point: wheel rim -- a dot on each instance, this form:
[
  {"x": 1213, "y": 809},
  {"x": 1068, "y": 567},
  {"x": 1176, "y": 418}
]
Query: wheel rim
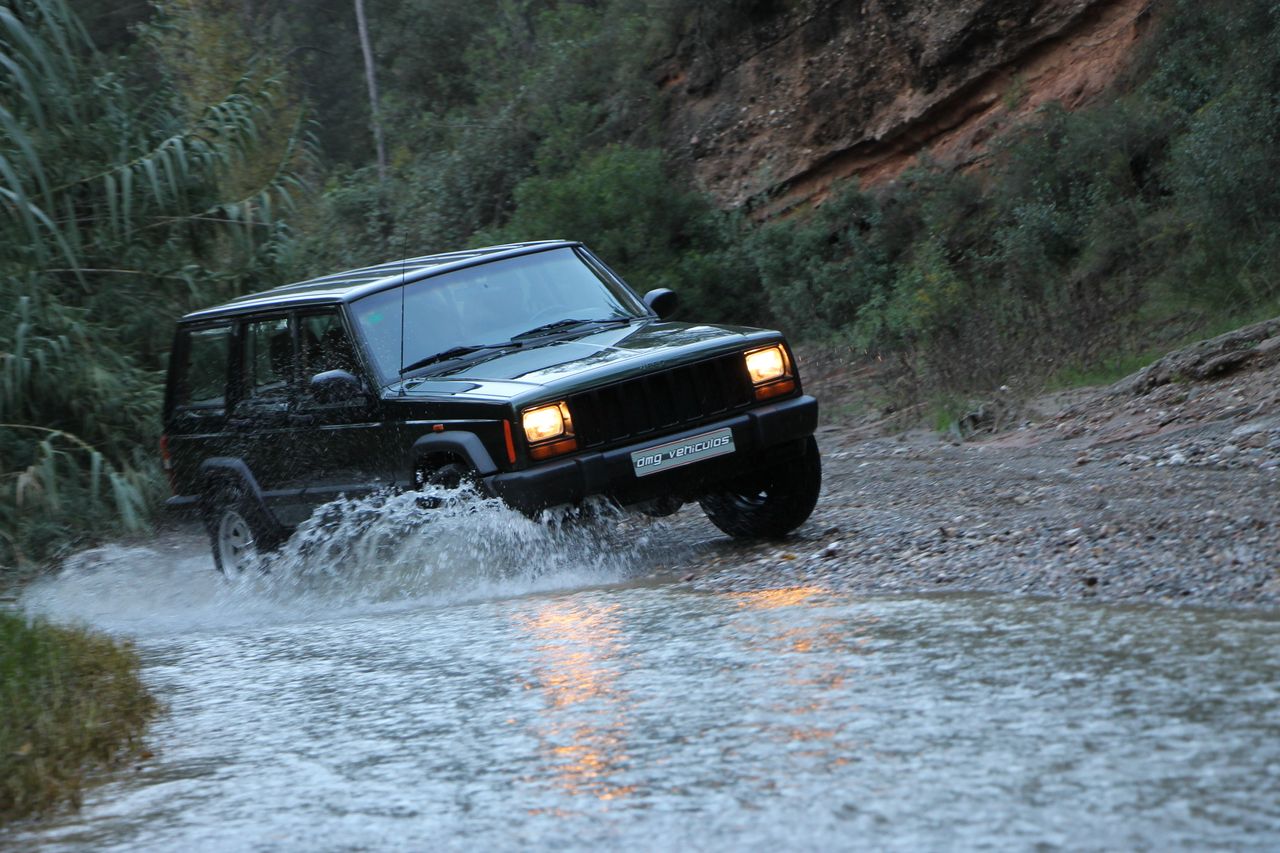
[{"x": 235, "y": 541}]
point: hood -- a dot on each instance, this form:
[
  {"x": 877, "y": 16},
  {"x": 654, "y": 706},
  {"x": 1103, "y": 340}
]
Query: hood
[{"x": 565, "y": 363}]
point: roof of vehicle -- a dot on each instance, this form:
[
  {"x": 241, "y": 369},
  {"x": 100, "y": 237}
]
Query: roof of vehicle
[{"x": 353, "y": 284}]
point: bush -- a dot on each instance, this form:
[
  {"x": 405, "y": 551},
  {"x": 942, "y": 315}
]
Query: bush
[
  {"x": 657, "y": 234},
  {"x": 71, "y": 703},
  {"x": 1166, "y": 199}
]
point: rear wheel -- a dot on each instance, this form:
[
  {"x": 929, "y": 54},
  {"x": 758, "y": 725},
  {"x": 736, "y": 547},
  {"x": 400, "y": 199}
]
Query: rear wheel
[
  {"x": 772, "y": 506},
  {"x": 239, "y": 530}
]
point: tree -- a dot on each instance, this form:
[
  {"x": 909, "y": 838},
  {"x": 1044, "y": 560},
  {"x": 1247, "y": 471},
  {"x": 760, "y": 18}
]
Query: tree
[{"x": 371, "y": 78}]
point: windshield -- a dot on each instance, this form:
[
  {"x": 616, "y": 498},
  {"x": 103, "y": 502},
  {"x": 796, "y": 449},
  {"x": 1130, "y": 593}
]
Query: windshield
[{"x": 487, "y": 304}]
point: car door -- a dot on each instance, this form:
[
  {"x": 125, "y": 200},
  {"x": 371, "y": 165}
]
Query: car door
[
  {"x": 196, "y": 401},
  {"x": 341, "y": 442},
  {"x": 260, "y": 426}
]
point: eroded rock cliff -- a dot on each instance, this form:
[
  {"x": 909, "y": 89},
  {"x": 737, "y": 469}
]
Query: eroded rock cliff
[{"x": 816, "y": 91}]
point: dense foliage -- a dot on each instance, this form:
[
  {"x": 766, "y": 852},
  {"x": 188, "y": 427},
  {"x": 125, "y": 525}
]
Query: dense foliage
[
  {"x": 153, "y": 175},
  {"x": 121, "y": 205},
  {"x": 1090, "y": 233}
]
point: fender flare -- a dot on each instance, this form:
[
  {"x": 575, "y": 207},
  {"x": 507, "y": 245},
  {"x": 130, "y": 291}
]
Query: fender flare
[
  {"x": 464, "y": 444},
  {"x": 217, "y": 469}
]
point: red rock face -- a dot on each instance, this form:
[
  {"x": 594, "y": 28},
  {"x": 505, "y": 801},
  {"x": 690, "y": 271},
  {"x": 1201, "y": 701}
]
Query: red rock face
[{"x": 825, "y": 91}]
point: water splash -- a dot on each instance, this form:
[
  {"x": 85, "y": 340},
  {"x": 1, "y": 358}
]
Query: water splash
[
  {"x": 390, "y": 547},
  {"x": 384, "y": 552}
]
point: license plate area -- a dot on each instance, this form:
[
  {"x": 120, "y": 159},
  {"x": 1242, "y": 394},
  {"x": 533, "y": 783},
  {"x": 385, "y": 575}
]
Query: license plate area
[{"x": 674, "y": 454}]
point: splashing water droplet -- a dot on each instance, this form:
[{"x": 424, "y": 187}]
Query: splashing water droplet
[{"x": 387, "y": 551}]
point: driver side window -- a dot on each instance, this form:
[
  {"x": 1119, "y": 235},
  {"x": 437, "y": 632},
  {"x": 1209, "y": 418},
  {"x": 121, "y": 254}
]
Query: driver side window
[{"x": 325, "y": 345}]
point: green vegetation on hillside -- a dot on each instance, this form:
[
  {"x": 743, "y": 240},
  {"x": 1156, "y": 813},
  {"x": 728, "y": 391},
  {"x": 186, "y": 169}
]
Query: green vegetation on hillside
[
  {"x": 157, "y": 172},
  {"x": 1086, "y": 236},
  {"x": 71, "y": 704},
  {"x": 1090, "y": 236}
]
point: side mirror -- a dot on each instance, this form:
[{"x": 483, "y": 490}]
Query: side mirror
[
  {"x": 336, "y": 386},
  {"x": 662, "y": 302}
]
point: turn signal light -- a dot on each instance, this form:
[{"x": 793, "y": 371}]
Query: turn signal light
[
  {"x": 555, "y": 448},
  {"x": 775, "y": 389},
  {"x": 166, "y": 462}
]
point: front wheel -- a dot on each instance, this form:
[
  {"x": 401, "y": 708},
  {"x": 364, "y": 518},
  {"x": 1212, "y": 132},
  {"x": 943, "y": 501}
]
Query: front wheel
[
  {"x": 238, "y": 530},
  {"x": 778, "y": 503}
]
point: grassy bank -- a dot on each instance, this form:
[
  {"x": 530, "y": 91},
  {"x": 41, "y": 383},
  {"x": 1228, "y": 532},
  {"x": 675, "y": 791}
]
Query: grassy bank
[{"x": 71, "y": 704}]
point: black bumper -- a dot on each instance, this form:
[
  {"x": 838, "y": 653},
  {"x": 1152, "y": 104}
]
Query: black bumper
[{"x": 779, "y": 428}]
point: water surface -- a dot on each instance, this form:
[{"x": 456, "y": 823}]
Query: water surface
[{"x": 477, "y": 681}]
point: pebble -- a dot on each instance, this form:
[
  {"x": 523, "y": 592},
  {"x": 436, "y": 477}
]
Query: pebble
[
  {"x": 1257, "y": 449},
  {"x": 1247, "y": 430}
]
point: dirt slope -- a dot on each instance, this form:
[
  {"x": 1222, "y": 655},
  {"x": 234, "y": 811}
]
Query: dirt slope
[{"x": 828, "y": 90}]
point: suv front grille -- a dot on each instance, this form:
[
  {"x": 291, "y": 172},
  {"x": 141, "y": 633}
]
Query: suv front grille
[{"x": 662, "y": 401}]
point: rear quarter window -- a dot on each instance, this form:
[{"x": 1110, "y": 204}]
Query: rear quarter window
[{"x": 202, "y": 373}]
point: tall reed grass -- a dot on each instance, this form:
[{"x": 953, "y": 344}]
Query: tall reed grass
[{"x": 118, "y": 212}]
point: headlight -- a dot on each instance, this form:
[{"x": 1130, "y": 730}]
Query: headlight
[
  {"x": 549, "y": 429},
  {"x": 770, "y": 371},
  {"x": 543, "y": 423},
  {"x": 766, "y": 365}
]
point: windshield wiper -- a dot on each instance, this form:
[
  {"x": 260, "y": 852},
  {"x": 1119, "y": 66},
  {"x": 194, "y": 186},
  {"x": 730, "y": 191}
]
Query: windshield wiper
[
  {"x": 545, "y": 328},
  {"x": 456, "y": 352}
]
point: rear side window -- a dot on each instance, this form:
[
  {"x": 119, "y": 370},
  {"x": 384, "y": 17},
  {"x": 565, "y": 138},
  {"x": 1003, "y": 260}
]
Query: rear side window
[
  {"x": 203, "y": 379},
  {"x": 268, "y": 357}
]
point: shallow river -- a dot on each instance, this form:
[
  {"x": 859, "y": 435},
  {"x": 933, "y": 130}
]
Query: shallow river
[{"x": 475, "y": 681}]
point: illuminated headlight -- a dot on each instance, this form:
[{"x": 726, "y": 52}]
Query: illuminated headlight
[
  {"x": 549, "y": 429},
  {"x": 543, "y": 423},
  {"x": 770, "y": 371},
  {"x": 766, "y": 365}
]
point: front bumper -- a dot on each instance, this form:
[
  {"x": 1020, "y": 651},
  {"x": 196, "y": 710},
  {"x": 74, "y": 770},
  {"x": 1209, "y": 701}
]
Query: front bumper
[{"x": 777, "y": 427}]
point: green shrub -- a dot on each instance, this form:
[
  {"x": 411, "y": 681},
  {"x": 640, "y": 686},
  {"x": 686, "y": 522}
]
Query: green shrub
[
  {"x": 1082, "y": 229},
  {"x": 624, "y": 202},
  {"x": 71, "y": 703}
]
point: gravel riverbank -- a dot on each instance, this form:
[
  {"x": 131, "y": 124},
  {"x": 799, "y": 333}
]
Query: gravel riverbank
[{"x": 1171, "y": 495}]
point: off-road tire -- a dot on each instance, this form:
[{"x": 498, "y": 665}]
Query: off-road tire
[
  {"x": 782, "y": 500},
  {"x": 238, "y": 528},
  {"x": 451, "y": 475}
]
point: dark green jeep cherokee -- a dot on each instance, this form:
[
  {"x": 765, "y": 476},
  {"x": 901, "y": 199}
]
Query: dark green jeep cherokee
[{"x": 532, "y": 370}]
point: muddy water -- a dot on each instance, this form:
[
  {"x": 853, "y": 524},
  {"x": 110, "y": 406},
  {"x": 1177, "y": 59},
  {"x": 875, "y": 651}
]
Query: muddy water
[{"x": 462, "y": 678}]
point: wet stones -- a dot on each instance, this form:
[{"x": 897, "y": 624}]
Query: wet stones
[{"x": 1133, "y": 524}]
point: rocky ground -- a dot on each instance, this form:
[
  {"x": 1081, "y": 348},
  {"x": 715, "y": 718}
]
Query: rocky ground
[{"x": 1162, "y": 488}]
